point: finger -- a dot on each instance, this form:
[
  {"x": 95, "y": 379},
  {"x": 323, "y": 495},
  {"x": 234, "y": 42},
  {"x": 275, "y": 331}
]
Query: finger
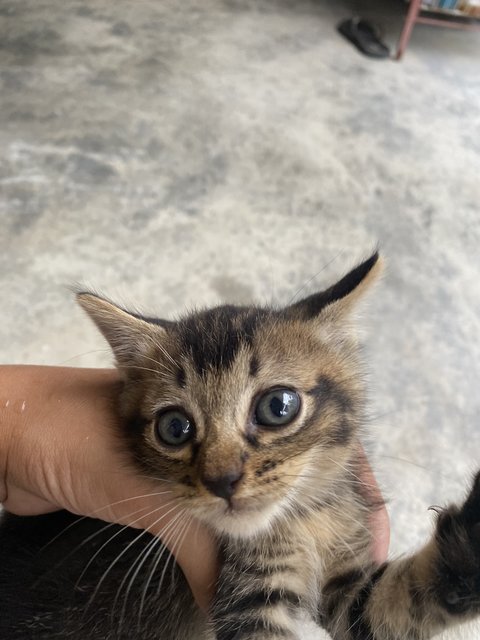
[
  {"x": 379, "y": 520},
  {"x": 199, "y": 562},
  {"x": 380, "y": 525}
]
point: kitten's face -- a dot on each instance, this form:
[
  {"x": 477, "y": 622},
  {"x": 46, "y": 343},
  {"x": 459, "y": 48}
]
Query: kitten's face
[
  {"x": 230, "y": 466},
  {"x": 247, "y": 413}
]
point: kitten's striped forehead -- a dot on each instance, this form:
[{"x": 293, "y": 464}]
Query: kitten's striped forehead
[{"x": 213, "y": 338}]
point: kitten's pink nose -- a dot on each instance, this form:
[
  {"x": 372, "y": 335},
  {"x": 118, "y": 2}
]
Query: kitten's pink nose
[{"x": 224, "y": 486}]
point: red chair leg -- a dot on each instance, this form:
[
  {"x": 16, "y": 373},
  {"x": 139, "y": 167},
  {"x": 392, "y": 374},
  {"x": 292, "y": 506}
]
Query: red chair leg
[{"x": 413, "y": 11}]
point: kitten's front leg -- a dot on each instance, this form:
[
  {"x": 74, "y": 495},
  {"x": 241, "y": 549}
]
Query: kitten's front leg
[
  {"x": 417, "y": 597},
  {"x": 261, "y": 591}
]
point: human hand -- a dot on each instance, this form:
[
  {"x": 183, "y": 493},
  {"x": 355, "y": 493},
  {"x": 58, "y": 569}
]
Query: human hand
[
  {"x": 379, "y": 520},
  {"x": 59, "y": 449}
]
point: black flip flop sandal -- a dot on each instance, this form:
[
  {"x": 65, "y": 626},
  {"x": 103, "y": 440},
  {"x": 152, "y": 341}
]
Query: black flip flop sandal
[{"x": 364, "y": 36}]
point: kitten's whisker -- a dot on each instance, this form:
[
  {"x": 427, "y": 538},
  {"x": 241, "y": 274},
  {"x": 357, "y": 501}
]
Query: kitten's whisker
[
  {"x": 181, "y": 539},
  {"x": 431, "y": 472},
  {"x": 157, "y": 479},
  {"x": 348, "y": 471},
  {"x": 100, "y": 531},
  {"x": 139, "y": 563},
  {"x": 81, "y": 355},
  {"x": 312, "y": 278},
  {"x": 298, "y": 475},
  {"x": 84, "y": 542},
  {"x": 124, "y": 579},
  {"x": 112, "y": 564},
  {"x": 338, "y": 481},
  {"x": 157, "y": 543},
  {"x": 139, "y": 368},
  {"x": 292, "y": 299},
  {"x": 117, "y": 534},
  {"x": 160, "y": 557},
  {"x": 154, "y": 567},
  {"x": 273, "y": 326},
  {"x": 161, "y": 364},
  {"x": 173, "y": 551},
  {"x": 165, "y": 353},
  {"x": 272, "y": 283},
  {"x": 107, "y": 506},
  {"x": 404, "y": 460},
  {"x": 174, "y": 529},
  {"x": 120, "y": 555},
  {"x": 293, "y": 455},
  {"x": 338, "y": 539},
  {"x": 372, "y": 417},
  {"x": 317, "y": 498},
  {"x": 168, "y": 532}
]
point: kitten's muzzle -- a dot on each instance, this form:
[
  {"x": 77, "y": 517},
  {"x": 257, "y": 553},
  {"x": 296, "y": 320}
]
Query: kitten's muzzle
[{"x": 224, "y": 486}]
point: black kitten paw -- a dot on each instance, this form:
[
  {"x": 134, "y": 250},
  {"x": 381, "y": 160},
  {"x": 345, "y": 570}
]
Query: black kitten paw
[
  {"x": 471, "y": 508},
  {"x": 457, "y": 581}
]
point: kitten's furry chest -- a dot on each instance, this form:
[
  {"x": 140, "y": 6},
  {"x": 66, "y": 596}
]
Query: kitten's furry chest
[{"x": 296, "y": 553}]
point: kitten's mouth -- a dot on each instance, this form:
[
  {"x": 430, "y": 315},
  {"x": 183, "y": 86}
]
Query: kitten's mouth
[
  {"x": 240, "y": 516},
  {"x": 249, "y": 508},
  {"x": 240, "y": 505}
]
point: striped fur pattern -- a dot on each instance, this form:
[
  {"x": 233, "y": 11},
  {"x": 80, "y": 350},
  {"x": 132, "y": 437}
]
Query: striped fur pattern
[{"x": 285, "y": 501}]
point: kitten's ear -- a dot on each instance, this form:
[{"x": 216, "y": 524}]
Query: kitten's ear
[
  {"x": 340, "y": 298},
  {"x": 128, "y": 334}
]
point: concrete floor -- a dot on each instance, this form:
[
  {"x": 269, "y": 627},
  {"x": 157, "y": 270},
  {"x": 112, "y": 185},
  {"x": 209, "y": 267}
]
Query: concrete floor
[{"x": 174, "y": 154}]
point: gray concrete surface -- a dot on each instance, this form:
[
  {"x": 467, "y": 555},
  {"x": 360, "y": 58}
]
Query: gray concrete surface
[{"x": 174, "y": 154}]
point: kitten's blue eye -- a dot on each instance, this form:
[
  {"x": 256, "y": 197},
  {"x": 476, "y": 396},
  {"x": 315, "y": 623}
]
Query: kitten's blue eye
[
  {"x": 277, "y": 408},
  {"x": 174, "y": 428}
]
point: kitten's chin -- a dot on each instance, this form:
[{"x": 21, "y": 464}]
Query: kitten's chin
[{"x": 240, "y": 520}]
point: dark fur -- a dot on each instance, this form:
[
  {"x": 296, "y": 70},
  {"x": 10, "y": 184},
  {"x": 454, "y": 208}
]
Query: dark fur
[{"x": 292, "y": 525}]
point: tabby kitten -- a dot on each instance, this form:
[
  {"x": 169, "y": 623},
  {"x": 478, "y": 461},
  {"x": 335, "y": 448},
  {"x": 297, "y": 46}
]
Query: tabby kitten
[{"x": 253, "y": 416}]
